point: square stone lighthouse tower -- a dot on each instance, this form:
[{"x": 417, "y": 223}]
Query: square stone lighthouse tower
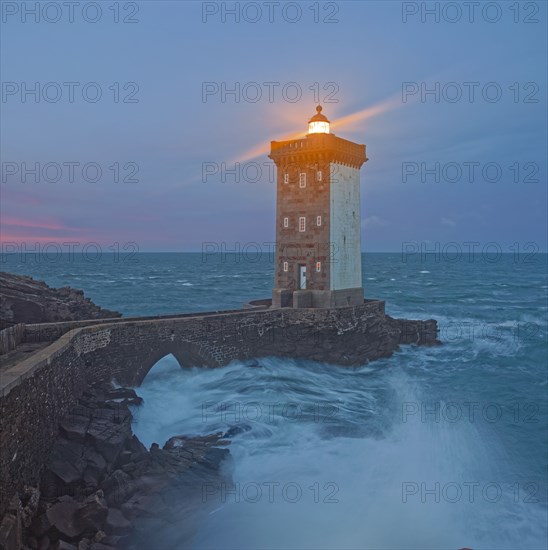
[{"x": 318, "y": 248}]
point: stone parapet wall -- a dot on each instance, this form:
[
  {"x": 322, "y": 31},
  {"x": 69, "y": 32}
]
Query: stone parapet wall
[{"x": 11, "y": 337}]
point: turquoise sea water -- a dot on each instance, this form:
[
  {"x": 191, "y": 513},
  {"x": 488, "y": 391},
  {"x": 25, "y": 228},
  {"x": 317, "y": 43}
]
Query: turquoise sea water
[{"x": 439, "y": 447}]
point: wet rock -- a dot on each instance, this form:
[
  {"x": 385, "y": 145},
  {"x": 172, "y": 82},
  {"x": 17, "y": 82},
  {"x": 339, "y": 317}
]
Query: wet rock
[
  {"x": 114, "y": 540},
  {"x": 92, "y": 514},
  {"x": 214, "y": 457},
  {"x": 30, "y": 499},
  {"x": 67, "y": 462},
  {"x": 144, "y": 505},
  {"x": 62, "y": 517},
  {"x": 129, "y": 468},
  {"x": 64, "y": 545},
  {"x": 99, "y": 536},
  {"x": 195, "y": 441},
  {"x": 40, "y": 525},
  {"x": 116, "y": 523},
  {"x": 118, "y": 487},
  {"x": 125, "y": 457},
  {"x": 24, "y": 300},
  {"x": 97, "y": 463},
  {"x": 96, "y": 467},
  {"x": 108, "y": 438},
  {"x": 140, "y": 456},
  {"x": 74, "y": 428},
  {"x": 116, "y": 413},
  {"x": 10, "y": 533},
  {"x": 125, "y": 396},
  {"x": 100, "y": 546},
  {"x": 236, "y": 430},
  {"x": 135, "y": 446}
]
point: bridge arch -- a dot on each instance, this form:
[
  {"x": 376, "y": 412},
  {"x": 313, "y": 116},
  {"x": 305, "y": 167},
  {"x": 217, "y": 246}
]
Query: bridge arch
[{"x": 187, "y": 354}]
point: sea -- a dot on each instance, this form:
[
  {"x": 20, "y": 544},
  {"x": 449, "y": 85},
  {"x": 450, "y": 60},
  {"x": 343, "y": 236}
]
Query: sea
[{"x": 434, "y": 447}]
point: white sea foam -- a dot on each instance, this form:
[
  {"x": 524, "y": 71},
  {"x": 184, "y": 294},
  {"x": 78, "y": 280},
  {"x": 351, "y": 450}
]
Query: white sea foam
[{"x": 351, "y": 478}]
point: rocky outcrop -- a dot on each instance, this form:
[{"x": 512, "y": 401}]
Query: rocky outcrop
[
  {"x": 24, "y": 300},
  {"x": 103, "y": 489}
]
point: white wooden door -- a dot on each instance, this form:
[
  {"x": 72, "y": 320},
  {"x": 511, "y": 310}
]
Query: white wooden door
[{"x": 302, "y": 277}]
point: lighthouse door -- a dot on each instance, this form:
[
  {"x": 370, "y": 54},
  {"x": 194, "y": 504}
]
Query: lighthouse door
[{"x": 302, "y": 277}]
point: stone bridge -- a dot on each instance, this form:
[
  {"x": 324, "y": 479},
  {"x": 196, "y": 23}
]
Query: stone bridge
[{"x": 37, "y": 392}]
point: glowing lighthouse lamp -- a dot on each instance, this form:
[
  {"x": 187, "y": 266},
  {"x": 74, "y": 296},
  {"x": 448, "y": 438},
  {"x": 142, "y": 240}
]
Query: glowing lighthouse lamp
[{"x": 318, "y": 124}]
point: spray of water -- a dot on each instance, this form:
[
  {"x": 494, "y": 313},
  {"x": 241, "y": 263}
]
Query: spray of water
[{"x": 335, "y": 458}]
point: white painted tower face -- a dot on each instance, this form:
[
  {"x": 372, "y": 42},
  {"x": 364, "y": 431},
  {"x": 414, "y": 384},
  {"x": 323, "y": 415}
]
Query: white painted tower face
[{"x": 345, "y": 227}]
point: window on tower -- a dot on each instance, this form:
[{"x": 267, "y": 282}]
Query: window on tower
[
  {"x": 286, "y": 222},
  {"x": 286, "y": 266},
  {"x": 286, "y": 178},
  {"x": 318, "y": 220},
  {"x": 302, "y": 224},
  {"x": 319, "y": 175},
  {"x": 318, "y": 266},
  {"x": 302, "y": 179}
]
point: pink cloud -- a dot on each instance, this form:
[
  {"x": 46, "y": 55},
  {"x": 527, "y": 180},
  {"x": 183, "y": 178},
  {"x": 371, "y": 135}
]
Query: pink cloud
[{"x": 19, "y": 222}]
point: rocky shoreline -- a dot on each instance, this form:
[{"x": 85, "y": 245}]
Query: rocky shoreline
[
  {"x": 102, "y": 489},
  {"x": 24, "y": 300}
]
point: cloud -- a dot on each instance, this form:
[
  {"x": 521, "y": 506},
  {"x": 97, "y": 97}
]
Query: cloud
[
  {"x": 449, "y": 222},
  {"x": 374, "y": 221},
  {"x": 32, "y": 224}
]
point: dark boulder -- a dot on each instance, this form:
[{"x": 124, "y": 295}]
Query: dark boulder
[
  {"x": 40, "y": 525},
  {"x": 117, "y": 487},
  {"x": 109, "y": 438},
  {"x": 124, "y": 396},
  {"x": 62, "y": 516},
  {"x": 116, "y": 522},
  {"x": 92, "y": 513}
]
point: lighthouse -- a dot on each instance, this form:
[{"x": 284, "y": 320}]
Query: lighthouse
[{"x": 318, "y": 238}]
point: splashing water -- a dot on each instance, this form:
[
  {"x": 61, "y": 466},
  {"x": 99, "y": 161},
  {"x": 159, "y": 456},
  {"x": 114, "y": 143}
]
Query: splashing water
[{"x": 331, "y": 457}]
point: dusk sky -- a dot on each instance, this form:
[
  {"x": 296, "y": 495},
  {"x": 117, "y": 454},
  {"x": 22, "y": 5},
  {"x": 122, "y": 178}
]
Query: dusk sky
[{"x": 368, "y": 60}]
